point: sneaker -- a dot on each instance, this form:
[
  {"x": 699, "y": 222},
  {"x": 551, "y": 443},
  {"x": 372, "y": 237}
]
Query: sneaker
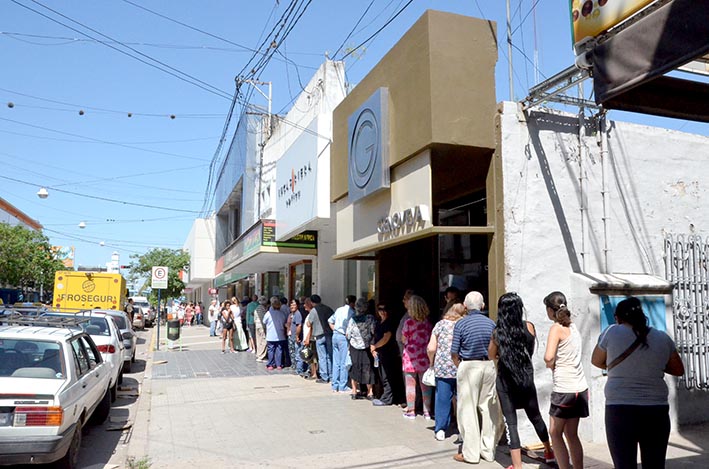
[
  {"x": 248, "y": 350},
  {"x": 280, "y": 368},
  {"x": 347, "y": 389},
  {"x": 410, "y": 415},
  {"x": 427, "y": 416},
  {"x": 223, "y": 351},
  {"x": 441, "y": 435},
  {"x": 379, "y": 403},
  {"x": 320, "y": 381},
  {"x": 549, "y": 456},
  {"x": 253, "y": 351},
  {"x": 269, "y": 368}
]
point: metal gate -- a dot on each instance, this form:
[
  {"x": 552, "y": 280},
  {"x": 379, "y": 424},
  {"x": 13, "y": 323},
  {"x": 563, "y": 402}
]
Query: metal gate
[{"x": 687, "y": 268}]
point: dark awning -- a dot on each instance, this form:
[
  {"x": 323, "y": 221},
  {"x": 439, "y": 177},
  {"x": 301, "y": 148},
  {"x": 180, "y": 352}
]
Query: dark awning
[{"x": 628, "y": 67}]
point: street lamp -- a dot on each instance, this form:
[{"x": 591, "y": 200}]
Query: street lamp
[{"x": 42, "y": 193}]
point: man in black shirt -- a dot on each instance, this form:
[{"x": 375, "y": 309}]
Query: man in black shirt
[{"x": 323, "y": 343}]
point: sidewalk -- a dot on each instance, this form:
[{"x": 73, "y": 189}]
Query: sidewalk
[{"x": 204, "y": 409}]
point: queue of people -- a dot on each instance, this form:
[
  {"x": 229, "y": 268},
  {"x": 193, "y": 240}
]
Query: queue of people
[{"x": 481, "y": 370}]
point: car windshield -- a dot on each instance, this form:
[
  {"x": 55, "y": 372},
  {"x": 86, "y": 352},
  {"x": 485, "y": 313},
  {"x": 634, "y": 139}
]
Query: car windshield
[
  {"x": 30, "y": 358},
  {"x": 142, "y": 305}
]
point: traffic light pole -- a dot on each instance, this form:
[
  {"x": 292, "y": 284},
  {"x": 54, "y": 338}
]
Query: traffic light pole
[{"x": 159, "y": 316}]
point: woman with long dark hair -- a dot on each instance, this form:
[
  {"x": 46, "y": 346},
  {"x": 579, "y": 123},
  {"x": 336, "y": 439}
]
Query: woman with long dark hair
[
  {"x": 512, "y": 344},
  {"x": 386, "y": 351},
  {"x": 569, "y": 397},
  {"x": 637, "y": 411}
]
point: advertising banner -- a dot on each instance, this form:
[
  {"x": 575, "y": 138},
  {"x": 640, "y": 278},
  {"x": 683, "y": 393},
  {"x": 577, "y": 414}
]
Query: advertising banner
[
  {"x": 589, "y": 18},
  {"x": 297, "y": 182}
]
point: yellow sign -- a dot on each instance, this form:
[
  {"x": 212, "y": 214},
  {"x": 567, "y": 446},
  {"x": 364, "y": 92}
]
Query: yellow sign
[{"x": 589, "y": 18}]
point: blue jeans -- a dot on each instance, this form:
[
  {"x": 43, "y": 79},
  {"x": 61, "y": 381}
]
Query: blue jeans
[
  {"x": 340, "y": 349},
  {"x": 300, "y": 366},
  {"x": 323, "y": 345},
  {"x": 445, "y": 390},
  {"x": 213, "y": 328}
]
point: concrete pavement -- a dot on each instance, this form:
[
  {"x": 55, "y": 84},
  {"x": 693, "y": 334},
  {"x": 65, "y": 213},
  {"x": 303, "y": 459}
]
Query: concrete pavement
[{"x": 199, "y": 408}]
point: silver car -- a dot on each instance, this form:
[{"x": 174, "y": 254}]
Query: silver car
[{"x": 128, "y": 335}]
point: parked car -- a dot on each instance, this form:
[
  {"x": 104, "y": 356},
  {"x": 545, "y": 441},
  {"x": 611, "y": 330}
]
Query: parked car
[
  {"x": 141, "y": 312},
  {"x": 105, "y": 334},
  {"x": 53, "y": 381},
  {"x": 128, "y": 335}
]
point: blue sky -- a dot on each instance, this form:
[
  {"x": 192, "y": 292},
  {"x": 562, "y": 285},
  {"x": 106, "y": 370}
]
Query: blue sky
[{"x": 151, "y": 159}]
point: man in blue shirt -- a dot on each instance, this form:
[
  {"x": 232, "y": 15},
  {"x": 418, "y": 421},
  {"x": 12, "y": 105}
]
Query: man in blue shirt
[
  {"x": 476, "y": 383},
  {"x": 340, "y": 347}
]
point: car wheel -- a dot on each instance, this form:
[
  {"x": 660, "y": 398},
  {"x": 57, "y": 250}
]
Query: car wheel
[
  {"x": 71, "y": 458},
  {"x": 102, "y": 410},
  {"x": 114, "y": 391},
  {"x": 126, "y": 367}
]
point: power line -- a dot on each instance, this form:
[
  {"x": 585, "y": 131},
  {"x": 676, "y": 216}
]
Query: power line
[
  {"x": 353, "y": 29},
  {"x": 101, "y": 109},
  {"x": 105, "y": 199},
  {"x": 106, "y": 142},
  {"x": 73, "y": 40},
  {"x": 378, "y": 30},
  {"x": 531, "y": 9},
  {"x": 192, "y": 80}
]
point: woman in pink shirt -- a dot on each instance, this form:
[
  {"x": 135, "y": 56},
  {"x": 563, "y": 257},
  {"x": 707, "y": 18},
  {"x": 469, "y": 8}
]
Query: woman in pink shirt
[{"x": 415, "y": 336}]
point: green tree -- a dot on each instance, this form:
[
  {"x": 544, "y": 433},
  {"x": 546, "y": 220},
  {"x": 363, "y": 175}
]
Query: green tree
[
  {"x": 174, "y": 259},
  {"x": 26, "y": 258}
]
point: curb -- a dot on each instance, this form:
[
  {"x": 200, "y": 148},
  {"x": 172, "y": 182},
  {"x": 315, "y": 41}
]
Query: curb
[{"x": 138, "y": 445}]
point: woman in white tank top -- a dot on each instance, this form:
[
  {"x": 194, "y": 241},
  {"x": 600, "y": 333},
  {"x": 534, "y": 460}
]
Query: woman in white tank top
[{"x": 569, "y": 397}]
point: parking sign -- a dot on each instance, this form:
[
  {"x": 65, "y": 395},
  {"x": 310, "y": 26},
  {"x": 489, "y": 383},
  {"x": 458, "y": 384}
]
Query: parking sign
[{"x": 159, "y": 277}]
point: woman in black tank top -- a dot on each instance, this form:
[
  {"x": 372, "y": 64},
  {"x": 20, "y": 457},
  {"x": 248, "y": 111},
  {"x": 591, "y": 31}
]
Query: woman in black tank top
[{"x": 512, "y": 344}]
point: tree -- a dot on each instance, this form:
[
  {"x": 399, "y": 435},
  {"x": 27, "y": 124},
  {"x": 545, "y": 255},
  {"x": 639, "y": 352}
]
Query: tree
[
  {"x": 26, "y": 258},
  {"x": 174, "y": 259}
]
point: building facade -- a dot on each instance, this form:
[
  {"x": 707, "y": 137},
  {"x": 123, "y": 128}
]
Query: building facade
[
  {"x": 274, "y": 233},
  {"x": 440, "y": 186}
]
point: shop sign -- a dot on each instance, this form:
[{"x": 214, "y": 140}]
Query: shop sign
[
  {"x": 252, "y": 241},
  {"x": 590, "y": 18},
  {"x": 233, "y": 254},
  {"x": 368, "y": 149},
  {"x": 297, "y": 181},
  {"x": 304, "y": 240},
  {"x": 213, "y": 291},
  {"x": 404, "y": 221}
]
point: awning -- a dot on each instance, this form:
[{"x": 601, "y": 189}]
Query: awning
[{"x": 629, "y": 66}]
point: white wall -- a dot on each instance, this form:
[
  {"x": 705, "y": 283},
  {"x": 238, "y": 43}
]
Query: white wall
[
  {"x": 200, "y": 244},
  {"x": 656, "y": 180}
]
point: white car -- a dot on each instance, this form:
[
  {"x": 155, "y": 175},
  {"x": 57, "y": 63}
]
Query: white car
[
  {"x": 53, "y": 381},
  {"x": 130, "y": 339},
  {"x": 107, "y": 337}
]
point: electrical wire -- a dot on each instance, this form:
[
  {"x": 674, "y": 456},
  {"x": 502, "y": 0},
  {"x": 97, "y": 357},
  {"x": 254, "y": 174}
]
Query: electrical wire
[
  {"x": 178, "y": 73},
  {"x": 378, "y": 30},
  {"x": 105, "y": 199},
  {"x": 353, "y": 29},
  {"x": 531, "y": 9},
  {"x": 105, "y": 110},
  {"x": 106, "y": 142}
]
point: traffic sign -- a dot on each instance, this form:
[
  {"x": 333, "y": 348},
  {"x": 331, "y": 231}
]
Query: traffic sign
[{"x": 159, "y": 277}]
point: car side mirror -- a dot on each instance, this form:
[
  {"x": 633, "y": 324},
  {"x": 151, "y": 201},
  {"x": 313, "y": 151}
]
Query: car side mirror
[{"x": 126, "y": 336}]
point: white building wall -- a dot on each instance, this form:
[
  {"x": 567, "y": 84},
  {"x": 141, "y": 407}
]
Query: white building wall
[
  {"x": 200, "y": 243},
  {"x": 655, "y": 182}
]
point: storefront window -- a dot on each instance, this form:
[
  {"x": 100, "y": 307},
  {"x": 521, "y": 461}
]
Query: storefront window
[
  {"x": 301, "y": 279},
  {"x": 463, "y": 263}
]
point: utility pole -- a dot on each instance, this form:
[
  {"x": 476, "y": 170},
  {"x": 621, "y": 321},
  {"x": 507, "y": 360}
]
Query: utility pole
[
  {"x": 265, "y": 132},
  {"x": 510, "y": 70}
]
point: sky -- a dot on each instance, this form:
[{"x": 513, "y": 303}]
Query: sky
[{"x": 118, "y": 110}]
